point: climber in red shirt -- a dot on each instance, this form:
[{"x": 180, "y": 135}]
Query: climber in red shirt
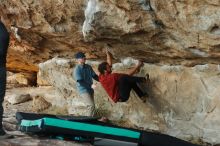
[{"x": 117, "y": 85}]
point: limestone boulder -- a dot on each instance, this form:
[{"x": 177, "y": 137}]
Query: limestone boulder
[
  {"x": 40, "y": 81},
  {"x": 45, "y": 99},
  {"x": 61, "y": 70},
  {"x": 41, "y": 30},
  {"x": 22, "y": 79},
  {"x": 17, "y": 98},
  {"x": 183, "y": 101},
  {"x": 58, "y": 73},
  {"x": 39, "y": 104},
  {"x": 27, "y": 141},
  {"x": 178, "y": 40},
  {"x": 165, "y": 32}
]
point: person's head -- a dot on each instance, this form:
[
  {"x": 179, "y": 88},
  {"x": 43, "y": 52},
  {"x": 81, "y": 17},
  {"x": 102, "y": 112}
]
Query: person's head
[
  {"x": 80, "y": 57},
  {"x": 104, "y": 67}
]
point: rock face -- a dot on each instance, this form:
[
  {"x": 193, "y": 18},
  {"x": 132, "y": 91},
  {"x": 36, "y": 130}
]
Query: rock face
[
  {"x": 41, "y": 30},
  {"x": 22, "y": 79},
  {"x": 166, "y": 32},
  {"x": 171, "y": 32},
  {"x": 27, "y": 141},
  {"x": 183, "y": 101},
  {"x": 16, "y": 98},
  {"x": 186, "y": 33}
]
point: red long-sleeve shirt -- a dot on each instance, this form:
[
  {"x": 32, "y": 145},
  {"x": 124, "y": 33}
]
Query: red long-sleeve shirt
[{"x": 109, "y": 81}]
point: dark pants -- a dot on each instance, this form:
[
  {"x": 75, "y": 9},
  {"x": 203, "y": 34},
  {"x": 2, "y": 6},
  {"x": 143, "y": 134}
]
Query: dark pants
[
  {"x": 126, "y": 84},
  {"x": 4, "y": 42},
  {"x": 2, "y": 92}
]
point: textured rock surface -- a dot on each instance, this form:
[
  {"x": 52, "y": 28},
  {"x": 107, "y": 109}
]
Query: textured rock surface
[
  {"x": 41, "y": 29},
  {"x": 10, "y": 122},
  {"x": 65, "y": 86},
  {"x": 22, "y": 79},
  {"x": 17, "y": 98},
  {"x": 183, "y": 102},
  {"x": 171, "y": 32},
  {"x": 167, "y": 32},
  {"x": 45, "y": 99},
  {"x": 28, "y": 141},
  {"x": 62, "y": 69}
]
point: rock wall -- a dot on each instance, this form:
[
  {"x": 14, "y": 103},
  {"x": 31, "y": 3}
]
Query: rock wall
[
  {"x": 180, "y": 38},
  {"x": 170, "y": 32},
  {"x": 166, "y": 32},
  {"x": 41, "y": 30},
  {"x": 183, "y": 101}
]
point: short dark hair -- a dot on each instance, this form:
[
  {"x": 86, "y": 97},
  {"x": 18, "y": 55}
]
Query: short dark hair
[{"x": 102, "y": 67}]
